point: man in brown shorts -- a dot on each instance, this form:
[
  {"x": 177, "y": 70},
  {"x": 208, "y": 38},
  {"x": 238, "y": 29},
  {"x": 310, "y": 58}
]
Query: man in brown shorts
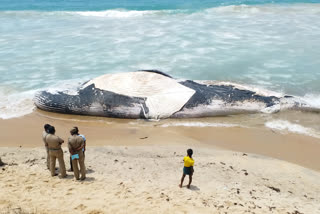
[
  {"x": 76, "y": 144},
  {"x": 55, "y": 152}
]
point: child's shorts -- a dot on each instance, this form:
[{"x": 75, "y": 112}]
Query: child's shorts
[{"x": 187, "y": 170}]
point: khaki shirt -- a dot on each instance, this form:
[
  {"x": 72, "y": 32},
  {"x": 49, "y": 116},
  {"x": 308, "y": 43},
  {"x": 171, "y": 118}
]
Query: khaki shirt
[
  {"x": 75, "y": 142},
  {"x": 44, "y": 135},
  {"x": 53, "y": 141}
]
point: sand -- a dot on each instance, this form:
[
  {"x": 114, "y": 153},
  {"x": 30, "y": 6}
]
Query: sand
[
  {"x": 144, "y": 179},
  {"x": 26, "y": 132},
  {"x": 137, "y": 169}
]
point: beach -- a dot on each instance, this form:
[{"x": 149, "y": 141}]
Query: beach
[
  {"x": 239, "y": 85},
  {"x": 137, "y": 169}
]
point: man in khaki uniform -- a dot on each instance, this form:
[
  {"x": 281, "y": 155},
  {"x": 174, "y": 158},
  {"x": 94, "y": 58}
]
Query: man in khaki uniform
[
  {"x": 76, "y": 144},
  {"x": 55, "y": 152},
  {"x": 44, "y": 134}
]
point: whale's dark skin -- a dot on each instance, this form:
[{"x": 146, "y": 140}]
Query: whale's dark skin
[
  {"x": 87, "y": 103},
  {"x": 97, "y": 102},
  {"x": 227, "y": 93}
]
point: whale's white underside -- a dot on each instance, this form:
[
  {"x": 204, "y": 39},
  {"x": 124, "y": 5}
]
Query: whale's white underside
[{"x": 164, "y": 96}]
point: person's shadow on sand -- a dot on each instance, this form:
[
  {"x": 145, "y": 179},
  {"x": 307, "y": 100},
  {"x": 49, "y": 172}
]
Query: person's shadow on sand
[
  {"x": 88, "y": 179},
  {"x": 89, "y": 171},
  {"x": 192, "y": 187},
  {"x": 71, "y": 177}
]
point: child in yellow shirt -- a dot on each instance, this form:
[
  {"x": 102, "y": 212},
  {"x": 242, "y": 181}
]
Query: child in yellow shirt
[{"x": 188, "y": 167}]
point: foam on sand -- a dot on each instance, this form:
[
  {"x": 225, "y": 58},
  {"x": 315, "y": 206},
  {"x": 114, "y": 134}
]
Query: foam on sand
[
  {"x": 286, "y": 126},
  {"x": 198, "y": 124}
]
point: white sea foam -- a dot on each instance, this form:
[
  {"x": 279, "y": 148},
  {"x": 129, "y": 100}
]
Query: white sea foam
[
  {"x": 115, "y": 13},
  {"x": 312, "y": 100},
  {"x": 198, "y": 124},
  {"x": 235, "y": 8},
  {"x": 15, "y": 104},
  {"x": 286, "y": 126},
  {"x": 70, "y": 87},
  {"x": 267, "y": 8},
  {"x": 122, "y": 13}
]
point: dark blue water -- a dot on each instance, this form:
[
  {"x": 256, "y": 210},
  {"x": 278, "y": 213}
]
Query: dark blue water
[{"x": 98, "y": 5}]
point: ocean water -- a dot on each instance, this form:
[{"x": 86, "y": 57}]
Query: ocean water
[{"x": 55, "y": 44}]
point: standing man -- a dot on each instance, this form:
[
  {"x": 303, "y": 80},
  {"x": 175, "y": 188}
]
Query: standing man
[
  {"x": 44, "y": 134},
  {"x": 55, "y": 152},
  {"x": 84, "y": 148},
  {"x": 76, "y": 146}
]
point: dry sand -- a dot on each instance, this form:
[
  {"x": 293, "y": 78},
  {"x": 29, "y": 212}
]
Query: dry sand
[
  {"x": 144, "y": 179},
  {"x": 137, "y": 169}
]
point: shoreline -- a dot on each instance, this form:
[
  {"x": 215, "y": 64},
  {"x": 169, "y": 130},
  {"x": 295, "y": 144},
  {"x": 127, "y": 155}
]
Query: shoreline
[{"x": 294, "y": 148}]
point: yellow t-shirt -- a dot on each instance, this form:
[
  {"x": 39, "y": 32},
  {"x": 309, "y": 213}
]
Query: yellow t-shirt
[{"x": 188, "y": 162}]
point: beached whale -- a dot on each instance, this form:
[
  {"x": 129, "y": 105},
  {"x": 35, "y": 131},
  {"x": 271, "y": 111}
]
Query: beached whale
[{"x": 152, "y": 94}]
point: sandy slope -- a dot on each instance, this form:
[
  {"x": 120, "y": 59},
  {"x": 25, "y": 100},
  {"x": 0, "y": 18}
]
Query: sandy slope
[{"x": 144, "y": 179}]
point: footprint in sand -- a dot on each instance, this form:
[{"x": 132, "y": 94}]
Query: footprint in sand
[
  {"x": 95, "y": 212},
  {"x": 205, "y": 203},
  {"x": 29, "y": 188},
  {"x": 81, "y": 207}
]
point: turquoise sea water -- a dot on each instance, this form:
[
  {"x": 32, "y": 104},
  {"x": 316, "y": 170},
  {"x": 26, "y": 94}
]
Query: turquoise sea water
[
  {"x": 99, "y": 5},
  {"x": 273, "y": 45}
]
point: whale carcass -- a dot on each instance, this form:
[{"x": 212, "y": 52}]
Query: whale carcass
[{"x": 151, "y": 94}]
